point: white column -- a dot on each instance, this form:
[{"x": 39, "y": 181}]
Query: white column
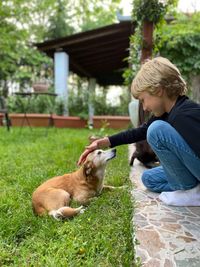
[
  {"x": 61, "y": 73},
  {"x": 134, "y": 112},
  {"x": 91, "y": 94}
]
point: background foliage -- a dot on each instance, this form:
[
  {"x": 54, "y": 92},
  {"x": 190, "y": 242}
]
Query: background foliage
[
  {"x": 78, "y": 104},
  {"x": 180, "y": 42},
  {"x": 176, "y": 36},
  {"x": 23, "y": 23}
]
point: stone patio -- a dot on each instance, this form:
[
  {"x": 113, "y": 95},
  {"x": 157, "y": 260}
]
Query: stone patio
[{"x": 168, "y": 236}]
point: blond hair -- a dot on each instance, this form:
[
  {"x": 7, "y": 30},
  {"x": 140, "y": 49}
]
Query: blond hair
[{"x": 159, "y": 73}]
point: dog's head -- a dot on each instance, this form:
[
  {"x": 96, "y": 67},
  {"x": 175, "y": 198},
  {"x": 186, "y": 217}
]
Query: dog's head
[{"x": 97, "y": 160}]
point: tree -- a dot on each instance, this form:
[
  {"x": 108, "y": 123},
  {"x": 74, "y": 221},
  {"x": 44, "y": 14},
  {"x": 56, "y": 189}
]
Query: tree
[
  {"x": 23, "y": 23},
  {"x": 18, "y": 58},
  {"x": 93, "y": 14},
  {"x": 59, "y": 22},
  {"x": 10, "y": 38}
]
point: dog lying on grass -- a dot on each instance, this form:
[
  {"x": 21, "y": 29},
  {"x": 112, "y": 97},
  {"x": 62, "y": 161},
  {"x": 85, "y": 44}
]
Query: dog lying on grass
[{"x": 54, "y": 195}]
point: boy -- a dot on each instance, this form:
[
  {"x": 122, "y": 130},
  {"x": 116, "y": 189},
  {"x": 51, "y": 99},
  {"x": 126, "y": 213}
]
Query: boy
[{"x": 172, "y": 132}]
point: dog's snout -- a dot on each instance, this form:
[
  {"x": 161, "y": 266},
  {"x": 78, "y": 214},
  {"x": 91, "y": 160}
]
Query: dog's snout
[{"x": 110, "y": 154}]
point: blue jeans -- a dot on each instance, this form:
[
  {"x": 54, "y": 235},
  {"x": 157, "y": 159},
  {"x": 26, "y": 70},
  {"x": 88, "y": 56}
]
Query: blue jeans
[{"x": 180, "y": 166}]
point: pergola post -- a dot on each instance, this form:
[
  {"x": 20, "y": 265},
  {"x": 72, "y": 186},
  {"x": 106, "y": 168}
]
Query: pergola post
[
  {"x": 147, "y": 46},
  {"x": 61, "y": 73},
  {"x": 91, "y": 95}
]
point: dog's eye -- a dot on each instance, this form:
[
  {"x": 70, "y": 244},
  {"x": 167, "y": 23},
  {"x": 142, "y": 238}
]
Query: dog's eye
[{"x": 99, "y": 152}]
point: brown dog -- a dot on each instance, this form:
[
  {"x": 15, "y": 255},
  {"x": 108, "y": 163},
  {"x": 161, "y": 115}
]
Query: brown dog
[{"x": 54, "y": 195}]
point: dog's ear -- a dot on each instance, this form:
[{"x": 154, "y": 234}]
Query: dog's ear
[{"x": 88, "y": 167}]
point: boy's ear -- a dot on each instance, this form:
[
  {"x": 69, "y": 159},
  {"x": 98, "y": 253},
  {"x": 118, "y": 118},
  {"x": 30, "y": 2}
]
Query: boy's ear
[{"x": 160, "y": 91}]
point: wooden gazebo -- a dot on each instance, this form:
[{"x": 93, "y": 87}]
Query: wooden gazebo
[{"x": 98, "y": 53}]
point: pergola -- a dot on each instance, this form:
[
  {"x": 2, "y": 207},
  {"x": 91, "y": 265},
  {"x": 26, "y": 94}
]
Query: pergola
[{"x": 99, "y": 54}]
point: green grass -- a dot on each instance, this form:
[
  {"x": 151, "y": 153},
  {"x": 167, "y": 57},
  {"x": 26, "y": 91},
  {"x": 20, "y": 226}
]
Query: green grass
[{"x": 102, "y": 236}]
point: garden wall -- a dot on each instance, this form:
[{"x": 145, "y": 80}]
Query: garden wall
[{"x": 43, "y": 120}]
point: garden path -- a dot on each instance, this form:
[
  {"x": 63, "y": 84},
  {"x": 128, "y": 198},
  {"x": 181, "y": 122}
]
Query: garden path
[{"x": 168, "y": 236}]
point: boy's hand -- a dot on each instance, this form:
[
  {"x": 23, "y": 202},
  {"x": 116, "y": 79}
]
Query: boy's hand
[
  {"x": 87, "y": 151},
  {"x": 100, "y": 143}
]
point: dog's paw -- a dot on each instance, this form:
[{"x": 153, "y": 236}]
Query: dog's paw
[
  {"x": 56, "y": 215},
  {"x": 81, "y": 210}
]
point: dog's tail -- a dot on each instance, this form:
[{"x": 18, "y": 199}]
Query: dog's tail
[{"x": 66, "y": 212}]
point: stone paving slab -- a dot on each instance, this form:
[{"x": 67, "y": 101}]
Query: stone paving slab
[{"x": 168, "y": 236}]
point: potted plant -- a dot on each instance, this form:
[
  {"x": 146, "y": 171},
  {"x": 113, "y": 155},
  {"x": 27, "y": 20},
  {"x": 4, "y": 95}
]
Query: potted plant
[{"x": 40, "y": 87}]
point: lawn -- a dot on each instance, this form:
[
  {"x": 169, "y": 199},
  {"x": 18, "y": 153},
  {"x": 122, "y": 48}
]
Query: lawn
[{"x": 102, "y": 236}]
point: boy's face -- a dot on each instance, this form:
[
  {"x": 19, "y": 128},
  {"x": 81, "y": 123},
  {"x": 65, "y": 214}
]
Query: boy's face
[{"x": 152, "y": 103}]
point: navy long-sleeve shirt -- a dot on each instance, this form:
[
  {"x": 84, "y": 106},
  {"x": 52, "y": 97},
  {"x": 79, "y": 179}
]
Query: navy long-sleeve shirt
[{"x": 184, "y": 117}]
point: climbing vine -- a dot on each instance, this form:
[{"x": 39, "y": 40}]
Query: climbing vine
[
  {"x": 144, "y": 10},
  {"x": 153, "y": 10}
]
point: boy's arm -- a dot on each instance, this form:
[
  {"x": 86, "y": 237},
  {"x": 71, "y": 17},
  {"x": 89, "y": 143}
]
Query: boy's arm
[
  {"x": 125, "y": 137},
  {"x": 132, "y": 135}
]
